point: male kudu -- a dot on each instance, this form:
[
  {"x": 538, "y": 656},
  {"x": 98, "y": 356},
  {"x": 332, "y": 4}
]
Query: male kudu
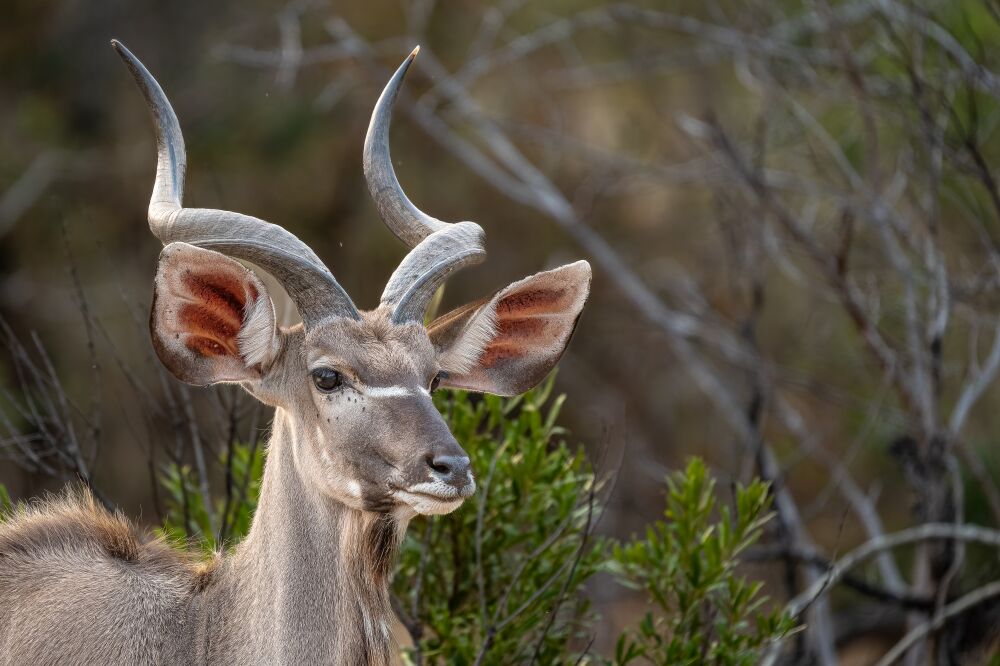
[{"x": 356, "y": 450}]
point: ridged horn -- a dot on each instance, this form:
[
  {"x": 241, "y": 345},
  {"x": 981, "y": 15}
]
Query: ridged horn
[
  {"x": 439, "y": 248},
  {"x": 410, "y": 224},
  {"x": 412, "y": 285},
  {"x": 309, "y": 283}
]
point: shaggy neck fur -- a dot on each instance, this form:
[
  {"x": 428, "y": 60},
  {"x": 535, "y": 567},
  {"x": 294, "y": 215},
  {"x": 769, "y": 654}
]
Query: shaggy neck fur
[{"x": 311, "y": 578}]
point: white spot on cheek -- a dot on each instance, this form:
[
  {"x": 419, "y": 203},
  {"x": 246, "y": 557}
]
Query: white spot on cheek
[
  {"x": 387, "y": 391},
  {"x": 424, "y": 391},
  {"x": 351, "y": 487}
]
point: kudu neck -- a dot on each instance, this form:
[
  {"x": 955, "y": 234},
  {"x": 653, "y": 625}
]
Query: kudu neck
[{"x": 317, "y": 571}]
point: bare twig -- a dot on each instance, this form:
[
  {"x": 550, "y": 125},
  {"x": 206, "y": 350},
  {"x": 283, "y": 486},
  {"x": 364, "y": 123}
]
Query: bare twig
[
  {"x": 942, "y": 617},
  {"x": 914, "y": 535}
]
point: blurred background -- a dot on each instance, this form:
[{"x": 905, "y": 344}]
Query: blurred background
[{"x": 791, "y": 209}]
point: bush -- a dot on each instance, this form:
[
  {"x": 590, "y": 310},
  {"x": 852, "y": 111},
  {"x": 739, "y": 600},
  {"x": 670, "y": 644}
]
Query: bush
[
  {"x": 188, "y": 520},
  {"x": 705, "y": 612},
  {"x": 502, "y": 579}
]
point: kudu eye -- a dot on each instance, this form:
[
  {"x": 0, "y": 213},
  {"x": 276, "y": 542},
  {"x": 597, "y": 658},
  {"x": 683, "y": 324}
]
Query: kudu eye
[
  {"x": 327, "y": 379},
  {"x": 436, "y": 382}
]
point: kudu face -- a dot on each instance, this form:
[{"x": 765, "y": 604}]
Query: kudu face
[
  {"x": 380, "y": 443},
  {"x": 354, "y": 386}
]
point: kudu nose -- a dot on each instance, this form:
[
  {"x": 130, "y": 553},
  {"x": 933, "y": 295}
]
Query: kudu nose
[{"x": 453, "y": 470}]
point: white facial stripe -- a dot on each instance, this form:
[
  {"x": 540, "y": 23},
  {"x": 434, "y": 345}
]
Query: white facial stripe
[
  {"x": 372, "y": 391},
  {"x": 387, "y": 391}
]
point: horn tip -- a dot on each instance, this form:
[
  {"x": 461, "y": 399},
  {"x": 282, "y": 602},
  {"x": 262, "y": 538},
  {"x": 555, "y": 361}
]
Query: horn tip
[
  {"x": 414, "y": 52},
  {"x": 122, "y": 50}
]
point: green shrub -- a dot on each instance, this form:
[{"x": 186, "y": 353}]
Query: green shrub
[
  {"x": 703, "y": 611},
  {"x": 5, "y": 504},
  {"x": 502, "y": 579},
  {"x": 187, "y": 518}
]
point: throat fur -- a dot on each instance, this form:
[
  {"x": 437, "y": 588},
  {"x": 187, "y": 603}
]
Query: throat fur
[{"x": 370, "y": 542}]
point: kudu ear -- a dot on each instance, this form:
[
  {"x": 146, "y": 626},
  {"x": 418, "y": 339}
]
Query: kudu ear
[
  {"x": 212, "y": 318},
  {"x": 506, "y": 344}
]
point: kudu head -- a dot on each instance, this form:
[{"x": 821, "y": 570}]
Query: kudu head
[{"x": 356, "y": 385}]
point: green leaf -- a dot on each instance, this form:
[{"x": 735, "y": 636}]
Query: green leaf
[{"x": 6, "y": 506}]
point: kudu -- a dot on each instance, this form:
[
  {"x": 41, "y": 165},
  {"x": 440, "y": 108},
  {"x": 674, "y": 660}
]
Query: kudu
[{"x": 356, "y": 450}]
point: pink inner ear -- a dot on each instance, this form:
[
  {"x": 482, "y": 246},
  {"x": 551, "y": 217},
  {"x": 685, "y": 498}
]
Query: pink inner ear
[
  {"x": 213, "y": 313},
  {"x": 530, "y": 302},
  {"x": 522, "y": 323},
  {"x": 507, "y": 343},
  {"x": 200, "y": 300}
]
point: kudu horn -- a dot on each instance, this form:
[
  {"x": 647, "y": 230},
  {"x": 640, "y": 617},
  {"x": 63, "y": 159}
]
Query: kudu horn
[
  {"x": 311, "y": 285},
  {"x": 439, "y": 248}
]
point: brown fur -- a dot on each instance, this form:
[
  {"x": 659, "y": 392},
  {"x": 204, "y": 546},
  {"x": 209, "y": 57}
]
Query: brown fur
[
  {"x": 75, "y": 520},
  {"x": 66, "y": 564},
  {"x": 198, "y": 311},
  {"x": 219, "y": 291}
]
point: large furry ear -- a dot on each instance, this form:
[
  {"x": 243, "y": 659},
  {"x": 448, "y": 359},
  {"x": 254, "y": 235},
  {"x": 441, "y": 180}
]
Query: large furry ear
[
  {"x": 506, "y": 344},
  {"x": 212, "y": 318}
]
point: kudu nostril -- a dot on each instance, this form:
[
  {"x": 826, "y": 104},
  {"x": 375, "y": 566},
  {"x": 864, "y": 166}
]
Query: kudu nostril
[
  {"x": 438, "y": 465},
  {"x": 450, "y": 469}
]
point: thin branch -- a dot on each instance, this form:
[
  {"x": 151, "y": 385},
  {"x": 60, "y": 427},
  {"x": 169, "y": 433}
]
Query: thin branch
[
  {"x": 919, "y": 534},
  {"x": 942, "y": 617}
]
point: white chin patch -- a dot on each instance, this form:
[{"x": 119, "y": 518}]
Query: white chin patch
[
  {"x": 435, "y": 497},
  {"x": 429, "y": 505}
]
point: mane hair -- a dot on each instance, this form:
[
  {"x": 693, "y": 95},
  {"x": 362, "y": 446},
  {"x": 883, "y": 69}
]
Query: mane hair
[
  {"x": 370, "y": 542},
  {"x": 75, "y": 522}
]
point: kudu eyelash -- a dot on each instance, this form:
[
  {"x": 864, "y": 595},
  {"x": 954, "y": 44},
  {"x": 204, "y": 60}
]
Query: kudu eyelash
[{"x": 374, "y": 391}]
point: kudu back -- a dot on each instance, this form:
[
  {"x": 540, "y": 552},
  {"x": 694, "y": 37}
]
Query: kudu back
[{"x": 356, "y": 450}]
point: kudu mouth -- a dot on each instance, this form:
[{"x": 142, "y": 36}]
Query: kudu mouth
[
  {"x": 447, "y": 483},
  {"x": 433, "y": 504}
]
